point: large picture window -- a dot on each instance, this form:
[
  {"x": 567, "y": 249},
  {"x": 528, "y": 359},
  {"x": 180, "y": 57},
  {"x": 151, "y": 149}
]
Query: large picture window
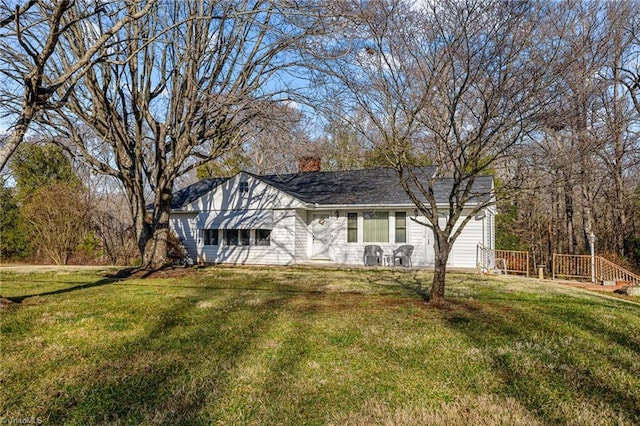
[
  {"x": 376, "y": 227},
  {"x": 401, "y": 227},
  {"x": 352, "y": 227}
]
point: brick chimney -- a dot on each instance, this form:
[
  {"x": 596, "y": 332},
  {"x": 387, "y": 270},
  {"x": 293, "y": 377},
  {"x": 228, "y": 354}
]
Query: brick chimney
[{"x": 309, "y": 164}]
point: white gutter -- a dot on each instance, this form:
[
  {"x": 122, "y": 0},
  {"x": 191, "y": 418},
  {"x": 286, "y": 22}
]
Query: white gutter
[
  {"x": 317, "y": 206},
  {"x": 371, "y": 206}
]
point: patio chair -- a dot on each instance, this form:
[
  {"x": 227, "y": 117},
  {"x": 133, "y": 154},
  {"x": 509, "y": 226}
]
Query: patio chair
[
  {"x": 403, "y": 255},
  {"x": 372, "y": 255}
]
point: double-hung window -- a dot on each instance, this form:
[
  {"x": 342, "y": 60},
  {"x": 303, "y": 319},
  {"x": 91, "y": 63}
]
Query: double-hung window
[
  {"x": 401, "y": 227},
  {"x": 245, "y": 237},
  {"x": 352, "y": 227},
  {"x": 237, "y": 237},
  {"x": 210, "y": 237},
  {"x": 263, "y": 237},
  {"x": 231, "y": 237},
  {"x": 242, "y": 237}
]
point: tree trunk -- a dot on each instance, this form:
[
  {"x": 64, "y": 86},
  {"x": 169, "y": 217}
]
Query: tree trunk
[
  {"x": 619, "y": 150},
  {"x": 620, "y": 214},
  {"x": 156, "y": 246},
  {"x": 587, "y": 210},
  {"x": 142, "y": 219},
  {"x": 554, "y": 221},
  {"x": 568, "y": 206},
  {"x": 17, "y": 135},
  {"x": 442, "y": 248},
  {"x": 155, "y": 252}
]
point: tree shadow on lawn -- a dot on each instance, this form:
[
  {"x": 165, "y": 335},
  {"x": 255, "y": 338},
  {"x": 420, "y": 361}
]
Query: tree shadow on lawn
[
  {"x": 153, "y": 379},
  {"x": 120, "y": 275},
  {"x": 542, "y": 363},
  {"x": 409, "y": 280},
  {"x": 186, "y": 361},
  {"x": 99, "y": 283}
]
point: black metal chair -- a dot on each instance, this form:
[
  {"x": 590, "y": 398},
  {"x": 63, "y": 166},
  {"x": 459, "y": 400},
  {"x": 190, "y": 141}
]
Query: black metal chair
[
  {"x": 372, "y": 255},
  {"x": 403, "y": 255}
]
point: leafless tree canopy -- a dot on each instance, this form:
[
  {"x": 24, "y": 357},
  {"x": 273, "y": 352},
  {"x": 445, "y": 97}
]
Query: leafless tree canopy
[
  {"x": 180, "y": 87},
  {"x": 35, "y": 77}
]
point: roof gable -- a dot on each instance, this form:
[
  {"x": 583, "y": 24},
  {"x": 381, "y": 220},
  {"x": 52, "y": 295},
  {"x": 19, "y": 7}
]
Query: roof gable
[
  {"x": 192, "y": 192},
  {"x": 240, "y": 192}
]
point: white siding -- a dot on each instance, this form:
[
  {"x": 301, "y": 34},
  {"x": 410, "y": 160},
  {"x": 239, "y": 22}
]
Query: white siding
[
  {"x": 301, "y": 236},
  {"x": 228, "y": 197},
  {"x": 183, "y": 224},
  {"x": 464, "y": 249}
]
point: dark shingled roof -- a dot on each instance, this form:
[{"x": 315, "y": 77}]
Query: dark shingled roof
[
  {"x": 192, "y": 192},
  {"x": 367, "y": 186},
  {"x": 357, "y": 187}
]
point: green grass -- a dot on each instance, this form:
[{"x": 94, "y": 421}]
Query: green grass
[{"x": 314, "y": 346}]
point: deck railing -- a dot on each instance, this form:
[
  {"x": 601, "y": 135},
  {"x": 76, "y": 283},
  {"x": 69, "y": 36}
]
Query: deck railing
[
  {"x": 606, "y": 270},
  {"x": 502, "y": 261},
  {"x": 485, "y": 259},
  {"x": 515, "y": 262},
  {"x": 571, "y": 266},
  {"x": 579, "y": 267},
  {"x": 567, "y": 266}
]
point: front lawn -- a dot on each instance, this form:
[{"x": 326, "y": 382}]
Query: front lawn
[{"x": 314, "y": 346}]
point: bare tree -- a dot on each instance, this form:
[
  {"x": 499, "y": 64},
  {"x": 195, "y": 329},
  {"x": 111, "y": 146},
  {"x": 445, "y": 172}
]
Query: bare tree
[
  {"x": 629, "y": 70},
  {"x": 279, "y": 142},
  {"x": 33, "y": 76},
  {"x": 58, "y": 217},
  {"x": 272, "y": 144},
  {"x": 569, "y": 125},
  {"x": 180, "y": 90},
  {"x": 460, "y": 82},
  {"x": 621, "y": 149},
  {"x": 343, "y": 146},
  {"x": 588, "y": 140},
  {"x": 117, "y": 239},
  {"x": 110, "y": 220}
]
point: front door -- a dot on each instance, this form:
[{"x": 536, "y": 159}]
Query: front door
[
  {"x": 428, "y": 249},
  {"x": 430, "y": 241},
  {"x": 321, "y": 234}
]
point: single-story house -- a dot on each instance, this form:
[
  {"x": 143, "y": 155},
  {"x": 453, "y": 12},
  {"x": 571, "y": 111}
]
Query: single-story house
[{"x": 316, "y": 216}]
